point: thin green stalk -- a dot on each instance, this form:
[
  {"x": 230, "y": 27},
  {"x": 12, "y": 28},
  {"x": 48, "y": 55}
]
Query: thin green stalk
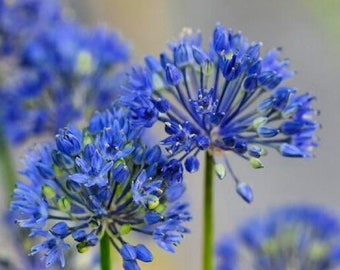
[
  {"x": 105, "y": 253},
  {"x": 208, "y": 214},
  {"x": 8, "y": 171}
]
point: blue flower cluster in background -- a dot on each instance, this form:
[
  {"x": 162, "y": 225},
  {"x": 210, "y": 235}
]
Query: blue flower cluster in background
[
  {"x": 289, "y": 237},
  {"x": 101, "y": 180},
  {"x": 21, "y": 19},
  {"x": 226, "y": 99},
  {"x": 53, "y": 70}
]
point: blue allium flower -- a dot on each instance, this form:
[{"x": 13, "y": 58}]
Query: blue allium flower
[
  {"x": 290, "y": 237},
  {"x": 102, "y": 179},
  {"x": 54, "y": 246},
  {"x": 57, "y": 71},
  {"x": 226, "y": 99}
]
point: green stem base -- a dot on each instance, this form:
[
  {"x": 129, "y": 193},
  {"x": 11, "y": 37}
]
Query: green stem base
[
  {"x": 208, "y": 215},
  {"x": 105, "y": 253}
]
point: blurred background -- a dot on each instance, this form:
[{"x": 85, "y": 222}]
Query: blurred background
[{"x": 309, "y": 33}]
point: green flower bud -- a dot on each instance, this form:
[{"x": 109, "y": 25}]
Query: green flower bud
[
  {"x": 82, "y": 247},
  {"x": 57, "y": 171},
  {"x": 207, "y": 68},
  {"x": 318, "y": 250},
  {"x": 125, "y": 229},
  {"x": 227, "y": 56},
  {"x": 259, "y": 121},
  {"x": 84, "y": 65},
  {"x": 160, "y": 208},
  {"x": 87, "y": 139},
  {"x": 48, "y": 191},
  {"x": 64, "y": 204},
  {"x": 264, "y": 151},
  {"x": 270, "y": 247},
  {"x": 157, "y": 81},
  {"x": 256, "y": 163},
  {"x": 220, "y": 170},
  {"x": 153, "y": 203}
]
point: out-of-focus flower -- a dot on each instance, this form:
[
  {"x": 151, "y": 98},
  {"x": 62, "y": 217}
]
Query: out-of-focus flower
[
  {"x": 226, "y": 99},
  {"x": 227, "y": 254},
  {"x": 290, "y": 237},
  {"x": 102, "y": 180},
  {"x": 20, "y": 19},
  {"x": 55, "y": 70}
]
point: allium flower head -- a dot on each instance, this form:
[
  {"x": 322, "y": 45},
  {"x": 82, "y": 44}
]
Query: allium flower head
[
  {"x": 100, "y": 180},
  {"x": 290, "y": 237},
  {"x": 58, "y": 73},
  {"x": 226, "y": 99}
]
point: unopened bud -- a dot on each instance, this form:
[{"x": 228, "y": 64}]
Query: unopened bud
[
  {"x": 48, "y": 191},
  {"x": 64, "y": 204}
]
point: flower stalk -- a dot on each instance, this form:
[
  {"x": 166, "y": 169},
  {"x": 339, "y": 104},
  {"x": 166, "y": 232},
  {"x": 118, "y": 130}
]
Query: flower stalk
[
  {"x": 208, "y": 214},
  {"x": 8, "y": 172},
  {"x": 105, "y": 253}
]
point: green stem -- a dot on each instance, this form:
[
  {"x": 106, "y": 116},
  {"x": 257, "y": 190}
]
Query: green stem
[
  {"x": 208, "y": 214},
  {"x": 105, "y": 252},
  {"x": 8, "y": 171}
]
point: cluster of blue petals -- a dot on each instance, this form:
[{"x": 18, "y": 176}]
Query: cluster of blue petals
[
  {"x": 22, "y": 18},
  {"x": 226, "y": 99},
  {"x": 53, "y": 70},
  {"x": 101, "y": 180},
  {"x": 20, "y": 261},
  {"x": 289, "y": 237}
]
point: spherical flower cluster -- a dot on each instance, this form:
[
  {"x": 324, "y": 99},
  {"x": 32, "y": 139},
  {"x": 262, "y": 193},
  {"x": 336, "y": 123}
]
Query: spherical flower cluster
[
  {"x": 101, "y": 181},
  {"x": 290, "y": 237},
  {"x": 55, "y": 71},
  {"x": 227, "y": 99}
]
